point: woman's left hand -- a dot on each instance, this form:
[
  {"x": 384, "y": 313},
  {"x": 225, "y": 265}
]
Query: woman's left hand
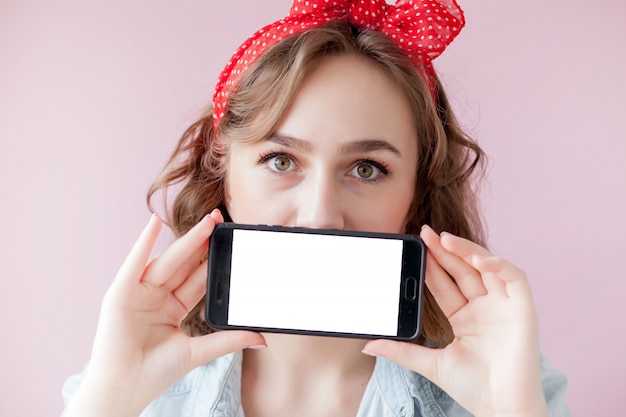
[{"x": 492, "y": 367}]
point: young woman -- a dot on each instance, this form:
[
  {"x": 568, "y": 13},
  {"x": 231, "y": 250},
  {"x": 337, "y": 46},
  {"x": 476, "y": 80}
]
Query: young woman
[{"x": 330, "y": 118}]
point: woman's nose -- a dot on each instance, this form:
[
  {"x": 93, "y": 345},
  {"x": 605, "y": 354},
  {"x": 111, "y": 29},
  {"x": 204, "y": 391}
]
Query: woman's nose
[{"x": 320, "y": 204}]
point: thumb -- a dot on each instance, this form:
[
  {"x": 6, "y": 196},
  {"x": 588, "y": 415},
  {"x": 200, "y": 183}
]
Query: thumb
[
  {"x": 211, "y": 346},
  {"x": 418, "y": 358}
]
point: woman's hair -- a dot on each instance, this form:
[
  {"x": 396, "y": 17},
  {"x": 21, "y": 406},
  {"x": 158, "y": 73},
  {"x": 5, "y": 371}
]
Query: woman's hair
[{"x": 444, "y": 196}]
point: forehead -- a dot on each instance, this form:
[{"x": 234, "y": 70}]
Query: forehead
[{"x": 350, "y": 97}]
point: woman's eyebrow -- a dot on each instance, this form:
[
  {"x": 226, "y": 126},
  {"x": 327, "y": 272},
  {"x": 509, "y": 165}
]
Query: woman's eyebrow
[
  {"x": 369, "y": 145},
  {"x": 289, "y": 141}
]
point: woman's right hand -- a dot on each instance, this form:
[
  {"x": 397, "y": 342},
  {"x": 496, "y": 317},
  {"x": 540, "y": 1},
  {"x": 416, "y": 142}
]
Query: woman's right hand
[{"x": 139, "y": 349}]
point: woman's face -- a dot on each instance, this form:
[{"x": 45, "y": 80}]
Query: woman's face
[{"x": 344, "y": 157}]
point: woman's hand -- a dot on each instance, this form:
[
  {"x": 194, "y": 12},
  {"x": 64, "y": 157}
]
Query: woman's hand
[
  {"x": 139, "y": 348},
  {"x": 492, "y": 368}
]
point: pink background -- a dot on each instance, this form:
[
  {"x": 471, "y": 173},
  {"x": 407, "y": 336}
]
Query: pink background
[{"x": 93, "y": 97}]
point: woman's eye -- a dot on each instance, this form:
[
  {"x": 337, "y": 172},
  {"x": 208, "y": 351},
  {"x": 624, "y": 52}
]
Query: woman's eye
[
  {"x": 277, "y": 162},
  {"x": 366, "y": 170},
  {"x": 281, "y": 163}
]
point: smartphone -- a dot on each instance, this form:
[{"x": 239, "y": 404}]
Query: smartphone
[{"x": 315, "y": 281}]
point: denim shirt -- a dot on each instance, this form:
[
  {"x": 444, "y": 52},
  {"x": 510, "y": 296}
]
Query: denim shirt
[{"x": 214, "y": 390}]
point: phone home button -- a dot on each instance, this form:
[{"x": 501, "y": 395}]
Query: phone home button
[{"x": 410, "y": 289}]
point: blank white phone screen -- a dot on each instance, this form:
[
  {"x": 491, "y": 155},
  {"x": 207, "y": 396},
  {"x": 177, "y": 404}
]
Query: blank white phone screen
[{"x": 315, "y": 282}]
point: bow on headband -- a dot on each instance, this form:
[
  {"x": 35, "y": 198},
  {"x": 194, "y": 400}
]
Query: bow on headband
[{"x": 421, "y": 28}]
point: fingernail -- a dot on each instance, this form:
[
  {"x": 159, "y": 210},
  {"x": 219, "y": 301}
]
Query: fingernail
[
  {"x": 478, "y": 258},
  {"x": 215, "y": 211},
  {"x": 260, "y": 346},
  {"x": 368, "y": 352},
  {"x": 153, "y": 218}
]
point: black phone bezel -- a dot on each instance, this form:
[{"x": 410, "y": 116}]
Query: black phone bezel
[{"x": 218, "y": 281}]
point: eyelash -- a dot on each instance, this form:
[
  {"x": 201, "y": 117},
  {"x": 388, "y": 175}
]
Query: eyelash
[
  {"x": 383, "y": 168},
  {"x": 264, "y": 157}
]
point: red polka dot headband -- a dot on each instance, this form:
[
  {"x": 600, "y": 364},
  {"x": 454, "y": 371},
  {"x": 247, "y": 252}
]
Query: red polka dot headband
[{"x": 421, "y": 28}]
